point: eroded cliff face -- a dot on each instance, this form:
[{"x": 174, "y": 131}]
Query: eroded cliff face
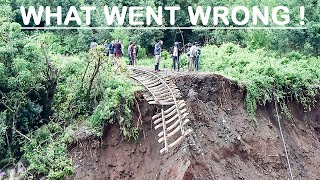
[{"x": 225, "y": 144}]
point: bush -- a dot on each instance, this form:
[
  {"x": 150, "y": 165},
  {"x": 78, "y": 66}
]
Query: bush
[
  {"x": 109, "y": 101},
  {"x": 46, "y": 153},
  {"x": 142, "y": 53},
  {"x": 165, "y": 55},
  {"x": 115, "y": 106}
]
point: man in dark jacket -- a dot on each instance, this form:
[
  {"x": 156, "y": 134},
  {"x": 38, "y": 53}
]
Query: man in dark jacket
[{"x": 117, "y": 49}]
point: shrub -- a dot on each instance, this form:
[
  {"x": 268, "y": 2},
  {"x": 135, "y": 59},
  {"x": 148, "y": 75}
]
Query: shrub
[{"x": 46, "y": 153}]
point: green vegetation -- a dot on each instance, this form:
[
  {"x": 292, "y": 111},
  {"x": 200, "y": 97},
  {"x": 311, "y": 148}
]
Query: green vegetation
[
  {"x": 265, "y": 76},
  {"x": 46, "y": 152},
  {"x": 78, "y": 103},
  {"x": 282, "y": 41},
  {"x": 24, "y": 89},
  {"x": 46, "y": 97}
]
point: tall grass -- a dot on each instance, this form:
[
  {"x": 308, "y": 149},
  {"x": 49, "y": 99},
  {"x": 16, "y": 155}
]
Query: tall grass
[{"x": 265, "y": 76}]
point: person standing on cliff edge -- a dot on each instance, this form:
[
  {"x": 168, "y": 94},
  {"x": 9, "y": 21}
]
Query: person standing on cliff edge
[{"x": 157, "y": 53}]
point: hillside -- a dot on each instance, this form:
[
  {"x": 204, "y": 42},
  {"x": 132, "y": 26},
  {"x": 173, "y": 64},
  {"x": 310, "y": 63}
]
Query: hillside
[
  {"x": 226, "y": 143},
  {"x": 70, "y": 110}
]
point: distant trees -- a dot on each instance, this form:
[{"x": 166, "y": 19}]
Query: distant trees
[{"x": 283, "y": 41}]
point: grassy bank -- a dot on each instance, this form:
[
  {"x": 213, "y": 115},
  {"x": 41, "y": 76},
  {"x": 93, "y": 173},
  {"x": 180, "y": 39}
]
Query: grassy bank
[{"x": 265, "y": 75}]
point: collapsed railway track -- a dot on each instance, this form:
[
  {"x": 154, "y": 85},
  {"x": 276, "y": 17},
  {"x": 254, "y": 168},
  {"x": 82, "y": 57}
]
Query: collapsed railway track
[{"x": 173, "y": 114}]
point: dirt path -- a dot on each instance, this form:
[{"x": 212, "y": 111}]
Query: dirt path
[{"x": 226, "y": 144}]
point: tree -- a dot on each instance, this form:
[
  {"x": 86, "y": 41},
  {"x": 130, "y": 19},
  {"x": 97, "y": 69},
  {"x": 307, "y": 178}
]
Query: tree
[{"x": 24, "y": 90}]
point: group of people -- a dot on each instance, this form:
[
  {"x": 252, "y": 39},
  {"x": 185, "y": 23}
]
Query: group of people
[
  {"x": 193, "y": 54},
  {"x": 115, "y": 50}
]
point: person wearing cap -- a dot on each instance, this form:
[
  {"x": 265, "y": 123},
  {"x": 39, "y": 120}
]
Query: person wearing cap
[{"x": 157, "y": 53}]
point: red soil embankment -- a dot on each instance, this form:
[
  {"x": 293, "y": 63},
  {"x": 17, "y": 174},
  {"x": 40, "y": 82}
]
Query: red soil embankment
[{"x": 226, "y": 144}]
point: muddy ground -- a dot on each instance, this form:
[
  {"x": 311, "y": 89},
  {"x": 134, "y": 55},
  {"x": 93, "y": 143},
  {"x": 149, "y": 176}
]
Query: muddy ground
[{"x": 226, "y": 144}]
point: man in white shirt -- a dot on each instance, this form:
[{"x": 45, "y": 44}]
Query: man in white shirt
[
  {"x": 193, "y": 56},
  {"x": 175, "y": 52}
]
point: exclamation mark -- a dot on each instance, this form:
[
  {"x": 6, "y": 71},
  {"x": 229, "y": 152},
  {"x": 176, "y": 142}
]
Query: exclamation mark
[{"x": 302, "y": 15}]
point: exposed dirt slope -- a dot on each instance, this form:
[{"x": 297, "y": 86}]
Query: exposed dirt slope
[
  {"x": 233, "y": 147},
  {"x": 115, "y": 158},
  {"x": 226, "y": 144}
]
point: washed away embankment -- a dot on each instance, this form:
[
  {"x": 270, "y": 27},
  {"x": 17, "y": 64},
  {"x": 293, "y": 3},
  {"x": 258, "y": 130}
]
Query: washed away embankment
[{"x": 225, "y": 144}]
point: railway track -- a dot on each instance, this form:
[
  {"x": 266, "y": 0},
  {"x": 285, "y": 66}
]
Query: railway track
[{"x": 172, "y": 118}]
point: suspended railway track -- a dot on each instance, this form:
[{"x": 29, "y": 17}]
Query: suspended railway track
[{"x": 172, "y": 118}]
